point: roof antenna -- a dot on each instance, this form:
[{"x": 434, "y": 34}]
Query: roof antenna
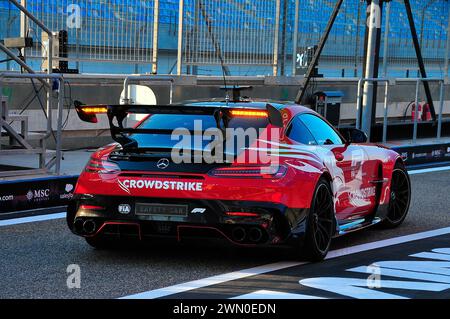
[{"x": 216, "y": 45}]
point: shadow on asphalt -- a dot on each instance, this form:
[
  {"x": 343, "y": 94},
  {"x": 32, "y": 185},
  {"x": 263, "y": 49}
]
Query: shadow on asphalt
[
  {"x": 215, "y": 250},
  {"x": 211, "y": 251}
]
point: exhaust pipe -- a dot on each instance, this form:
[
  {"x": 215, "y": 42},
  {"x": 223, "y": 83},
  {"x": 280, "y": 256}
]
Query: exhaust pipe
[
  {"x": 255, "y": 234},
  {"x": 78, "y": 226},
  {"x": 89, "y": 226},
  {"x": 238, "y": 234}
]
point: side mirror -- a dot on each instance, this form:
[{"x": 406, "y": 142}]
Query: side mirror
[{"x": 353, "y": 135}]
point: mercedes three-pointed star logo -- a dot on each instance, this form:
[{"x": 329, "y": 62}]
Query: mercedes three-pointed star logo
[{"x": 163, "y": 163}]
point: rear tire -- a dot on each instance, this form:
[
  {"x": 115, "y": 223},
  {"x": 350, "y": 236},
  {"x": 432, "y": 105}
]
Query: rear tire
[
  {"x": 400, "y": 198},
  {"x": 320, "y": 226}
]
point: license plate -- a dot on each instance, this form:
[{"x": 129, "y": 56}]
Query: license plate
[{"x": 161, "y": 210}]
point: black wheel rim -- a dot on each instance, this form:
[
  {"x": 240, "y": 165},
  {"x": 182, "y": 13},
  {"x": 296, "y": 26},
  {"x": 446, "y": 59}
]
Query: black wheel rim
[
  {"x": 322, "y": 216},
  {"x": 400, "y": 195}
]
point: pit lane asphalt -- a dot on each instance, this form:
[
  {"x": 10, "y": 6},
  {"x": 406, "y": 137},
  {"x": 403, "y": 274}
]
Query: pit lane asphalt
[{"x": 34, "y": 257}]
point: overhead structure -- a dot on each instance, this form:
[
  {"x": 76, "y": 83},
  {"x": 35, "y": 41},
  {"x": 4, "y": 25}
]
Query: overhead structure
[
  {"x": 418, "y": 50},
  {"x": 371, "y": 60},
  {"x": 371, "y": 64},
  {"x": 309, "y": 73}
]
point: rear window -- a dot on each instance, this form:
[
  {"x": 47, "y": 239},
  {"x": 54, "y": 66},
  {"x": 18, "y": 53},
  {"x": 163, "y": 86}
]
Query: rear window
[
  {"x": 189, "y": 122},
  {"x": 174, "y": 121}
]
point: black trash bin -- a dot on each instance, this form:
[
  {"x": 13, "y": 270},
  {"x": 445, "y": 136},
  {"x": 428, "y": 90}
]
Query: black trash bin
[{"x": 328, "y": 104}]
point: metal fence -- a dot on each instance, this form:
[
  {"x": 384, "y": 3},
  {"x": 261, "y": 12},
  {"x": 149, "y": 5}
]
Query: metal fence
[
  {"x": 345, "y": 46},
  {"x": 239, "y": 32},
  {"x": 254, "y": 37},
  {"x": 105, "y": 31},
  {"x": 431, "y": 19},
  {"x": 98, "y": 30}
]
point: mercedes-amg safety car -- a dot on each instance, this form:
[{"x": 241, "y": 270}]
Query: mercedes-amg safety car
[{"x": 295, "y": 180}]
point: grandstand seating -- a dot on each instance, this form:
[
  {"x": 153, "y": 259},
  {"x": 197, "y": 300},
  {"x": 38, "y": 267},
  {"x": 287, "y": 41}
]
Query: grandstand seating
[
  {"x": 311, "y": 12},
  {"x": 436, "y": 13}
]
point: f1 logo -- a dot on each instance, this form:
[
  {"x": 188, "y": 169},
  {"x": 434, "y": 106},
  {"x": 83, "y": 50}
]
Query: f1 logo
[{"x": 198, "y": 210}]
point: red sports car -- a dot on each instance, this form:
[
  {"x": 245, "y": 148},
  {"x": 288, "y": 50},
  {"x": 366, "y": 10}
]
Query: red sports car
[{"x": 180, "y": 172}]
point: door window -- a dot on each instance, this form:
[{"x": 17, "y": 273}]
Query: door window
[
  {"x": 322, "y": 132},
  {"x": 299, "y": 132}
]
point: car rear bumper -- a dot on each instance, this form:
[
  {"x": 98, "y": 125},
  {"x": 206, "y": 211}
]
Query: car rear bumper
[{"x": 239, "y": 222}]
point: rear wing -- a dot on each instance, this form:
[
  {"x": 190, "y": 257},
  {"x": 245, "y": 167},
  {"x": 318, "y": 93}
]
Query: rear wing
[{"x": 118, "y": 113}]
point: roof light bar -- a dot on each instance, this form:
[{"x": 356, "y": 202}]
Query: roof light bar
[{"x": 249, "y": 113}]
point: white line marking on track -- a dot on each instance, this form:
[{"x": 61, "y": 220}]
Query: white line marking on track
[
  {"x": 214, "y": 280},
  {"x": 429, "y": 170},
  {"x": 31, "y": 219},
  {"x": 269, "y": 294},
  {"x": 201, "y": 283},
  {"x": 387, "y": 242}
]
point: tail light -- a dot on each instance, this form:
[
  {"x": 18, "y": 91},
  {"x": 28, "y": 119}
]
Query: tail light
[
  {"x": 266, "y": 172},
  {"x": 242, "y": 214},
  {"x": 91, "y": 207},
  {"x": 101, "y": 166}
]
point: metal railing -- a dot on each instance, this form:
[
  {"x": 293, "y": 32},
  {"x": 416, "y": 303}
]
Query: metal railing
[
  {"x": 22, "y": 64},
  {"x": 416, "y": 103},
  {"x": 138, "y": 78},
  {"x": 49, "y": 131},
  {"x": 385, "y": 106},
  {"x": 387, "y": 82},
  {"x": 42, "y": 26}
]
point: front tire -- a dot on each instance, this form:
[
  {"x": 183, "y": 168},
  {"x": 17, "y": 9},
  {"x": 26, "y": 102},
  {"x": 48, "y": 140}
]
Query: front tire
[
  {"x": 320, "y": 224},
  {"x": 400, "y": 197}
]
